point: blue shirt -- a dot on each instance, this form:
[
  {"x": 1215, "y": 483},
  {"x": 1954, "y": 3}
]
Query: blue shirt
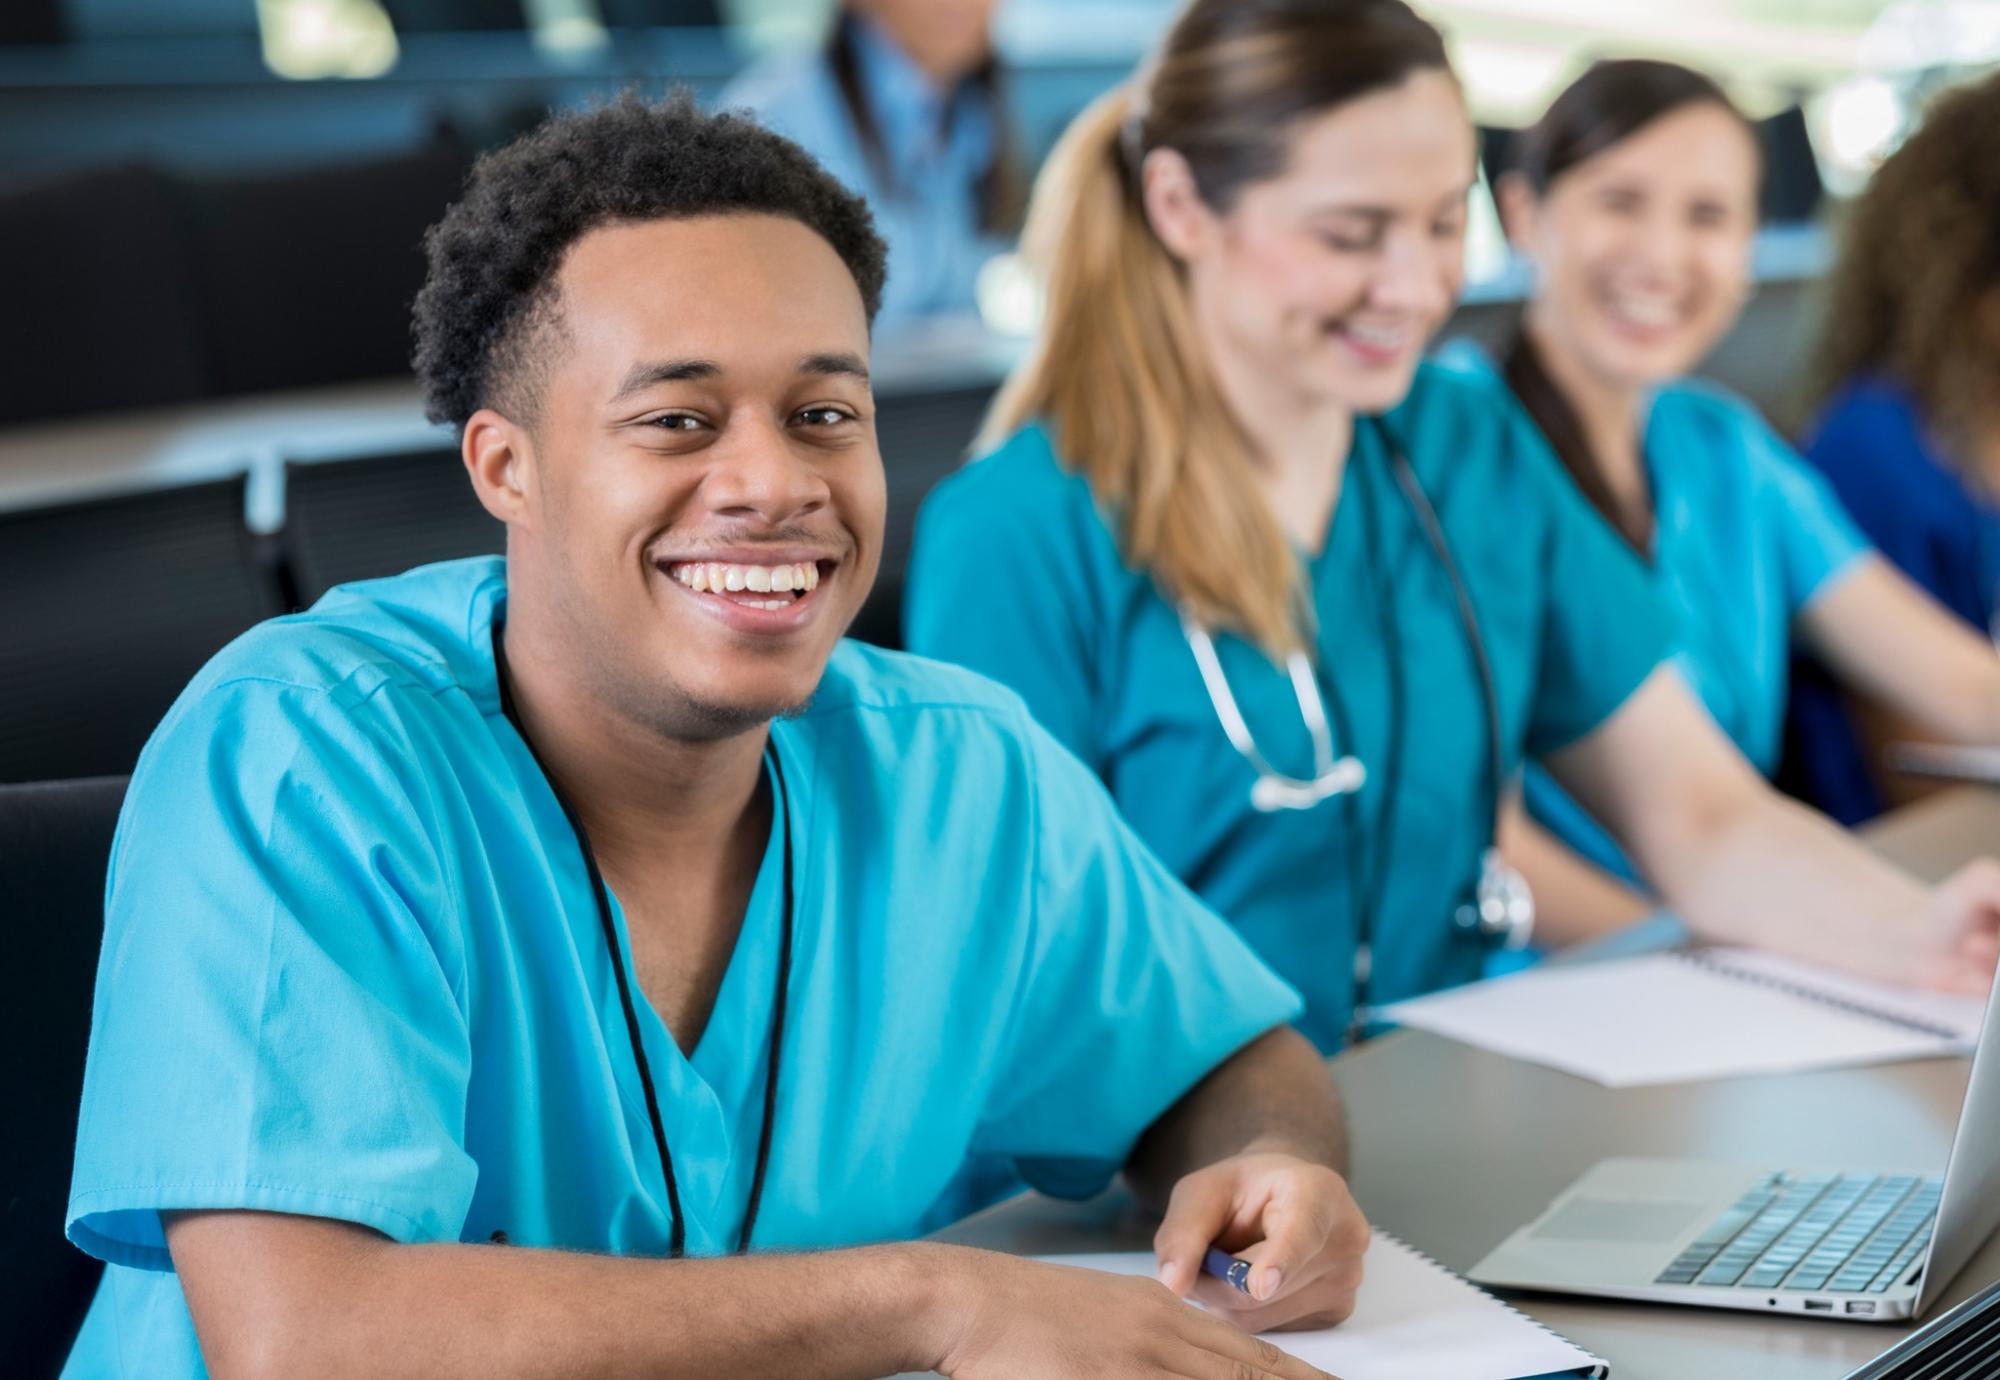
[
  {"x": 1914, "y": 504},
  {"x": 352, "y": 968},
  {"x": 938, "y": 147},
  {"x": 1017, "y": 573},
  {"x": 1745, "y": 535}
]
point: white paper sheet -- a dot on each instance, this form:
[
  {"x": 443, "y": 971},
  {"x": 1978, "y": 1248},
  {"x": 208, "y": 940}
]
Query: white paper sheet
[
  {"x": 1414, "y": 1320},
  {"x": 1661, "y": 1018}
]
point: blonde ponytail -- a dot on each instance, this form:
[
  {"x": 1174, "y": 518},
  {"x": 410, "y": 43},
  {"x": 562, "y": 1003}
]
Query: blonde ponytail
[
  {"x": 1121, "y": 379},
  {"x": 1121, "y": 376}
]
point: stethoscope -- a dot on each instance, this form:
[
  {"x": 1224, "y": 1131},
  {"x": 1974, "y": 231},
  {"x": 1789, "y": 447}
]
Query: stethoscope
[
  {"x": 677, "y": 1232},
  {"x": 1501, "y": 908}
]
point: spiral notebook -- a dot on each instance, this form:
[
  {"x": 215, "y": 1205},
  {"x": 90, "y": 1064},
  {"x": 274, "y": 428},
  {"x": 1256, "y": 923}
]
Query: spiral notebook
[
  {"x": 1696, "y": 1014},
  {"x": 1414, "y": 1320}
]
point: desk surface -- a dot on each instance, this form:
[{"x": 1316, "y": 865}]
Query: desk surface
[{"x": 1453, "y": 1148}]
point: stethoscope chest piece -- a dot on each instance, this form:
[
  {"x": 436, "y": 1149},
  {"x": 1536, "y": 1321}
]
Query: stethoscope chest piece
[{"x": 1502, "y": 908}]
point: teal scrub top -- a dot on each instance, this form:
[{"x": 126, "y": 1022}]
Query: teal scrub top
[
  {"x": 352, "y": 968},
  {"x": 1017, "y": 573},
  {"x": 1745, "y": 535}
]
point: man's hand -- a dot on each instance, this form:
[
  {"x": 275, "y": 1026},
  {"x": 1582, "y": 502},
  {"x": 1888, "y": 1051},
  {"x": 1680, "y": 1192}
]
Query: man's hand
[
  {"x": 1292, "y": 1219},
  {"x": 1024, "y": 1318}
]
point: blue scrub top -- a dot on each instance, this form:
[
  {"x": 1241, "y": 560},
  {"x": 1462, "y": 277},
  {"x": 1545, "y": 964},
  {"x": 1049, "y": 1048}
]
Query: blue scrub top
[
  {"x": 1912, "y": 500},
  {"x": 938, "y": 146},
  {"x": 352, "y": 968},
  {"x": 1017, "y": 573},
  {"x": 1745, "y": 535}
]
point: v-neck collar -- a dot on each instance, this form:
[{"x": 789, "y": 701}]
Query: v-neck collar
[
  {"x": 1341, "y": 543},
  {"x": 712, "y": 1099}
]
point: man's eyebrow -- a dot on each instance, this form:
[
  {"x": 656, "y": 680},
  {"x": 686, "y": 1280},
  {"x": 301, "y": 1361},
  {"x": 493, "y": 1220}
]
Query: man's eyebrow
[
  {"x": 836, "y": 362},
  {"x": 645, "y": 375}
]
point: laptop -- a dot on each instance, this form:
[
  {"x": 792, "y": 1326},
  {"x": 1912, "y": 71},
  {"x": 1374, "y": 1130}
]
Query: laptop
[{"x": 1820, "y": 1242}]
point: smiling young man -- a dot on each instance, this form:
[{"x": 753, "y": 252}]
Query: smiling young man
[{"x": 601, "y": 904}]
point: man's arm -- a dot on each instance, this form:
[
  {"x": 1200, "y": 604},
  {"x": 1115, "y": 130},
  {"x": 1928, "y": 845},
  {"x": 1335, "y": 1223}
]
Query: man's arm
[
  {"x": 1252, "y": 1159},
  {"x": 278, "y": 1295}
]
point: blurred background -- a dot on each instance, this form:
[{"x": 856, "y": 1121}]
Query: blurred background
[{"x": 211, "y": 215}]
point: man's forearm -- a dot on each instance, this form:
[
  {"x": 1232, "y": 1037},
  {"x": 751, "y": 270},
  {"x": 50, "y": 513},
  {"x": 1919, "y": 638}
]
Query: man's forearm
[
  {"x": 276, "y": 1295},
  {"x": 1273, "y": 1094}
]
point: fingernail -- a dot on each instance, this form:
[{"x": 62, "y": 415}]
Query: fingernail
[
  {"x": 1170, "y": 1276},
  {"x": 1270, "y": 1286}
]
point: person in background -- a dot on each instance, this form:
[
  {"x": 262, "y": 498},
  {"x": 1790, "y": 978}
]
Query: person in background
[
  {"x": 1635, "y": 198},
  {"x": 1303, "y": 600},
  {"x": 535, "y": 965},
  {"x": 903, "y": 104},
  {"x": 1907, "y": 381}
]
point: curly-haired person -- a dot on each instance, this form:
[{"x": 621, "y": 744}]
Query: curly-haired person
[
  {"x": 1907, "y": 384},
  {"x": 493, "y": 947}
]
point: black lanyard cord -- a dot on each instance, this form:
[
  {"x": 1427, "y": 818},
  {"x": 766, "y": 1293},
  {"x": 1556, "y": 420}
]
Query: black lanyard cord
[
  {"x": 1367, "y": 887},
  {"x": 677, "y": 1232},
  {"x": 1468, "y": 617}
]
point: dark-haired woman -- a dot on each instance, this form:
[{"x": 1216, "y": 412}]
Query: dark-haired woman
[
  {"x": 902, "y": 103},
  {"x": 1635, "y": 197}
]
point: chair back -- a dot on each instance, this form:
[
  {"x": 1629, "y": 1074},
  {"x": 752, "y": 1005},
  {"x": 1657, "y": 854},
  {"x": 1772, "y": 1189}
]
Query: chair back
[
  {"x": 109, "y": 607},
  {"x": 370, "y": 516},
  {"x": 924, "y": 436},
  {"x": 55, "y": 839}
]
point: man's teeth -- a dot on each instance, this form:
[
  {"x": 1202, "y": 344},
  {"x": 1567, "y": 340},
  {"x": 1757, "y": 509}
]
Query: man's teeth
[{"x": 715, "y": 577}]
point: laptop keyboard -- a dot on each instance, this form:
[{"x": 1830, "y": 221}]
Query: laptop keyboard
[{"x": 1849, "y": 1233}]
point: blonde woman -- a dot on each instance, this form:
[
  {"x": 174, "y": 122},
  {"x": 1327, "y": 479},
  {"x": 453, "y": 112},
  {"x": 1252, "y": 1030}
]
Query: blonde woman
[{"x": 1303, "y": 602}]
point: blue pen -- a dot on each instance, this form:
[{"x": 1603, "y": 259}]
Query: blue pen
[{"x": 1227, "y": 1268}]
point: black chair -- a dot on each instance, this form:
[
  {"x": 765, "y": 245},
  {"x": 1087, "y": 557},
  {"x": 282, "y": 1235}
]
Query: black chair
[
  {"x": 109, "y": 607},
  {"x": 32, "y": 22},
  {"x": 924, "y": 436},
  {"x": 54, "y": 841},
  {"x": 357, "y": 519},
  {"x": 306, "y": 276},
  {"x": 1793, "y": 188},
  {"x": 98, "y": 309}
]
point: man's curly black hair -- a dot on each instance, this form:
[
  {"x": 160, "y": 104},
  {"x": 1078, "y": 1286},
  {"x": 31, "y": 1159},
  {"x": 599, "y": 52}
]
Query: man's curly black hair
[{"x": 489, "y": 301}]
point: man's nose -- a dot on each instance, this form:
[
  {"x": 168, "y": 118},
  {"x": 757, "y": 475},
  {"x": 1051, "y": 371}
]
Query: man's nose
[{"x": 760, "y": 474}]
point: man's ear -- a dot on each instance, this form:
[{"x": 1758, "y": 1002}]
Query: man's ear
[
  {"x": 1173, "y": 203},
  {"x": 500, "y": 458},
  {"x": 1519, "y": 210}
]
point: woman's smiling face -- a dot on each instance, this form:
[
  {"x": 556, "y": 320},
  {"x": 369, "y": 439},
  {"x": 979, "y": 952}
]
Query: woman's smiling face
[
  {"x": 1332, "y": 276},
  {"x": 1642, "y": 250}
]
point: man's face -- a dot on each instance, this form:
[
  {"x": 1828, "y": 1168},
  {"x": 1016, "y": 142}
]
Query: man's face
[{"x": 705, "y": 516}]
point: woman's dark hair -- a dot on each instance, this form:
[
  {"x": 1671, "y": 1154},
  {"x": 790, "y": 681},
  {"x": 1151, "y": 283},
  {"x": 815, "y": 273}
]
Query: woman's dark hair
[
  {"x": 1608, "y": 104},
  {"x": 1003, "y": 186}
]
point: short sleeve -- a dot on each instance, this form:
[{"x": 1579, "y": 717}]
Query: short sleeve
[
  {"x": 1814, "y": 538},
  {"x": 1133, "y": 991},
  {"x": 996, "y": 584},
  {"x": 278, "y": 1021},
  {"x": 1604, "y": 625}
]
